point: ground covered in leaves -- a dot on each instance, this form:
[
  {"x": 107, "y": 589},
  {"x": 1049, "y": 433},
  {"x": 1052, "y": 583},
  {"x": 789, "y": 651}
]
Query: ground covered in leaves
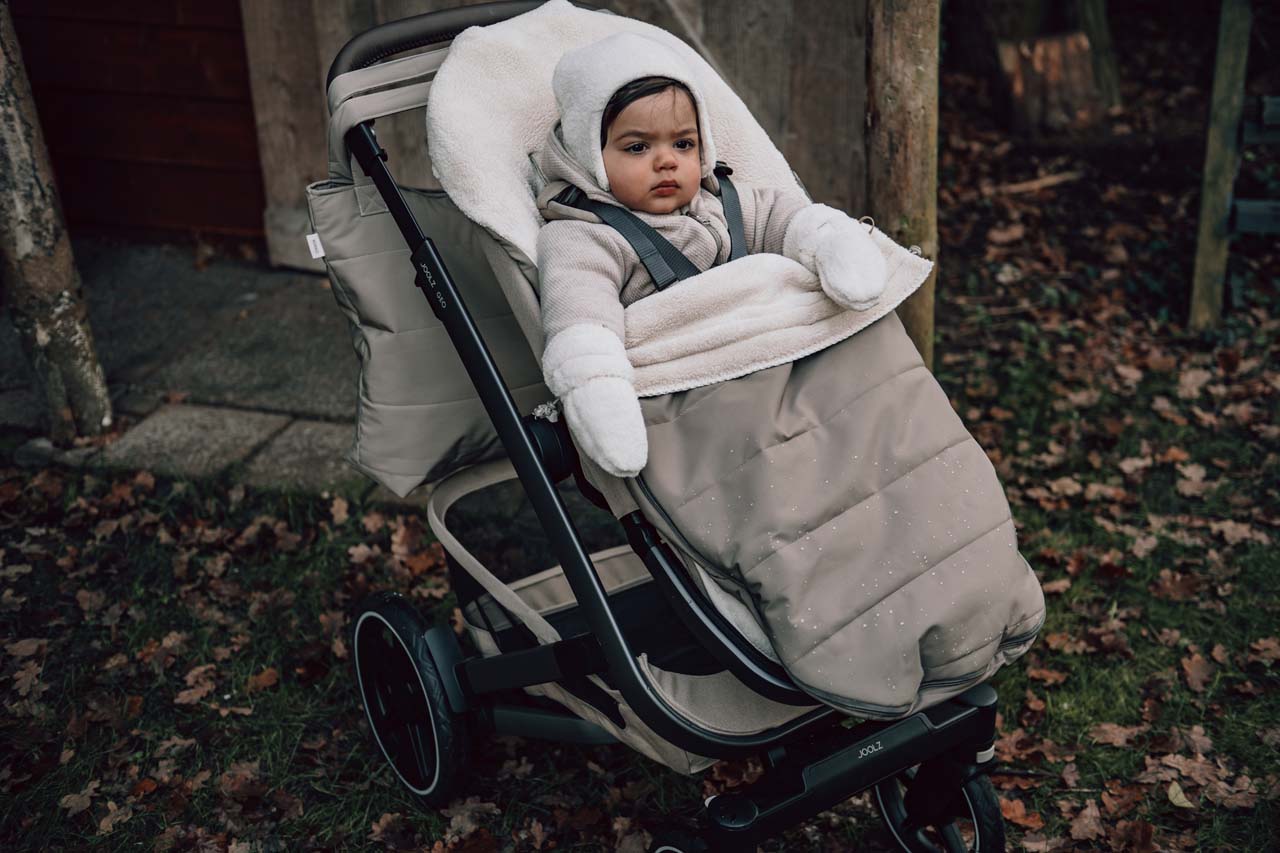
[{"x": 175, "y": 671}]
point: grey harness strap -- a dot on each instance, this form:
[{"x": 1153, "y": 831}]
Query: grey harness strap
[
  {"x": 732, "y": 212},
  {"x": 665, "y": 263}
]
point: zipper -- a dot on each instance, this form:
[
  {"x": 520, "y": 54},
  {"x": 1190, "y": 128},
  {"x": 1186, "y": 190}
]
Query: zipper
[
  {"x": 1018, "y": 639},
  {"x": 705, "y": 221}
]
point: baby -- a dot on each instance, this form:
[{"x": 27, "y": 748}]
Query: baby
[{"x": 635, "y": 133}]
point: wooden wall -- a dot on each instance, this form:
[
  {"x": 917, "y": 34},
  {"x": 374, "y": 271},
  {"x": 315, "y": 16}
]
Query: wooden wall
[
  {"x": 149, "y": 106},
  {"x": 147, "y": 113}
]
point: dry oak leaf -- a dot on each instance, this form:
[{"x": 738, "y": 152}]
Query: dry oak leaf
[
  {"x": 1265, "y": 650},
  {"x": 27, "y": 679},
  {"x": 199, "y": 685},
  {"x": 1048, "y": 676},
  {"x": 1199, "y": 769},
  {"x": 1116, "y": 735},
  {"x": 1066, "y": 486},
  {"x": 338, "y": 510},
  {"x": 1059, "y": 586},
  {"x": 1060, "y": 641},
  {"x": 241, "y": 781},
  {"x": 1143, "y": 545},
  {"x": 1129, "y": 373},
  {"x": 1134, "y": 464},
  {"x": 25, "y": 648},
  {"x": 90, "y": 600},
  {"x": 1134, "y": 836},
  {"x": 1009, "y": 234},
  {"x": 1198, "y": 672},
  {"x": 1175, "y": 586},
  {"x": 1034, "y": 842},
  {"x": 1119, "y": 798},
  {"x": 1236, "y": 532},
  {"x": 76, "y": 803},
  {"x": 396, "y": 833},
  {"x": 1087, "y": 825},
  {"x": 463, "y": 816},
  {"x": 115, "y": 814},
  {"x": 1242, "y": 794},
  {"x": 1191, "y": 380},
  {"x": 263, "y": 680},
  {"x": 1015, "y": 811},
  {"x": 1195, "y": 738}
]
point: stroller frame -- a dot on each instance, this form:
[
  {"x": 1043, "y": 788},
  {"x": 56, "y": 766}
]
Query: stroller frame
[{"x": 811, "y": 762}]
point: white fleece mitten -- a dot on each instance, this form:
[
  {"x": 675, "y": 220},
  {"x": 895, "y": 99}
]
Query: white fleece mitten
[
  {"x": 840, "y": 251},
  {"x": 586, "y": 366}
]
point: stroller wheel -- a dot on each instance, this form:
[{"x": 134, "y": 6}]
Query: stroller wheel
[
  {"x": 677, "y": 841},
  {"x": 404, "y": 699},
  {"x": 977, "y": 824}
]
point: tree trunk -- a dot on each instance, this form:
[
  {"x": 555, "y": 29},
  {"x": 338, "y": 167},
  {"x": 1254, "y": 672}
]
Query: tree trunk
[
  {"x": 37, "y": 271},
  {"x": 1092, "y": 18},
  {"x": 1051, "y": 84},
  {"x": 1011, "y": 42},
  {"x": 902, "y": 140},
  {"x": 1221, "y": 163}
]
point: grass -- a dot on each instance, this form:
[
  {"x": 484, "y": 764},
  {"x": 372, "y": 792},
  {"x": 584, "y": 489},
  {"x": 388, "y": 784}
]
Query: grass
[{"x": 291, "y": 765}]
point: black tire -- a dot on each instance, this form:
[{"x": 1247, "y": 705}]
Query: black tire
[
  {"x": 677, "y": 841},
  {"x": 980, "y": 827},
  {"x": 421, "y": 737}
]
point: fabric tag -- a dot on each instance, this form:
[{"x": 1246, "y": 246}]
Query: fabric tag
[{"x": 313, "y": 243}]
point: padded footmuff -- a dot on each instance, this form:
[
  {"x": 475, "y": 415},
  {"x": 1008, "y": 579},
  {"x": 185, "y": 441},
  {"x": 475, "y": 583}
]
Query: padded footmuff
[{"x": 843, "y": 498}]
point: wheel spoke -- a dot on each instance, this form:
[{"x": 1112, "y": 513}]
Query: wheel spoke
[
  {"x": 952, "y": 838},
  {"x": 425, "y": 768}
]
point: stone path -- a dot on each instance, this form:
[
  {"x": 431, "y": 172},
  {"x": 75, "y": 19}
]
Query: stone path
[{"x": 226, "y": 369}]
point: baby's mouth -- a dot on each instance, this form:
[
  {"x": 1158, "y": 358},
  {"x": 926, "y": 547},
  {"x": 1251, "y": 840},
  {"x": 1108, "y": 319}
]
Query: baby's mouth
[{"x": 666, "y": 187}]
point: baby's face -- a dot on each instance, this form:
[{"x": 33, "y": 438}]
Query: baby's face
[{"x": 652, "y": 156}]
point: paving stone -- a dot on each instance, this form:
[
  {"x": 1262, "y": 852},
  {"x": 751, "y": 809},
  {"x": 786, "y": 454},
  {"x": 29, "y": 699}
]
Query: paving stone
[
  {"x": 18, "y": 408},
  {"x": 307, "y": 456},
  {"x": 39, "y": 452},
  {"x": 191, "y": 441},
  {"x": 289, "y": 351},
  {"x": 136, "y": 402}
]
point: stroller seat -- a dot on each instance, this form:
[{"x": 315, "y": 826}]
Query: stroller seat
[{"x": 635, "y": 642}]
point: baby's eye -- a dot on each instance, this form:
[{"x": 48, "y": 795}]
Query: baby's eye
[
  {"x": 636, "y": 147},
  {"x": 686, "y": 144}
]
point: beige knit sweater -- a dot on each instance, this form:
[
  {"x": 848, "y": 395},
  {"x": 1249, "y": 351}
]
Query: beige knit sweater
[{"x": 588, "y": 272}]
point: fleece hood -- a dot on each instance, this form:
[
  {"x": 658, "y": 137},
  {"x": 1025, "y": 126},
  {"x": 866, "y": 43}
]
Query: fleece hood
[{"x": 586, "y": 78}]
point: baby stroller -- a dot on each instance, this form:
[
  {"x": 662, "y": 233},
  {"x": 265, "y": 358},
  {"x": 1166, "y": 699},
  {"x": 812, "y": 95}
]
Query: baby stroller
[{"x": 631, "y": 643}]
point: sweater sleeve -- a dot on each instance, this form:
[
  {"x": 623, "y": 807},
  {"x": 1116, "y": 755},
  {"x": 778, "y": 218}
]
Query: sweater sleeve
[
  {"x": 773, "y": 211},
  {"x": 581, "y": 272}
]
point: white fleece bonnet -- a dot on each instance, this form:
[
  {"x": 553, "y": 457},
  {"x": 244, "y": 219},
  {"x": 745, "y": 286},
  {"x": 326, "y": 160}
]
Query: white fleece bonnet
[{"x": 586, "y": 78}]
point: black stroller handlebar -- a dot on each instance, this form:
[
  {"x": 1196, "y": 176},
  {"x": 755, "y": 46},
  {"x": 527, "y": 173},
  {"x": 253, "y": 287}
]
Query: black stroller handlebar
[{"x": 394, "y": 37}]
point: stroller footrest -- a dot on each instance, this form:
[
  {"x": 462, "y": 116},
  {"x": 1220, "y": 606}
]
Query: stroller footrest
[
  {"x": 575, "y": 657},
  {"x": 816, "y": 774}
]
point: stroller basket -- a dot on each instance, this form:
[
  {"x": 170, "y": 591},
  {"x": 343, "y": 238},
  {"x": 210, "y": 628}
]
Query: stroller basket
[{"x": 632, "y": 643}]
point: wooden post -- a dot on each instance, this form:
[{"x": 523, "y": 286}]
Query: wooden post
[
  {"x": 902, "y": 140},
  {"x": 38, "y": 273},
  {"x": 1221, "y": 162},
  {"x": 1092, "y": 15},
  {"x": 289, "y": 110},
  {"x": 800, "y": 66}
]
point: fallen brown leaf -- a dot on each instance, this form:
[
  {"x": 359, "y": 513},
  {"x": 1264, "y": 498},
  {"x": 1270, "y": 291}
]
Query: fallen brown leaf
[{"x": 263, "y": 680}]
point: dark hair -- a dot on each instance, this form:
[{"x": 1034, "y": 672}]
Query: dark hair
[{"x": 634, "y": 91}]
